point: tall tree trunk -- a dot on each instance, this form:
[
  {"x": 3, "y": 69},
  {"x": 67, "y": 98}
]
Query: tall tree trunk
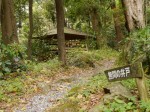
[
  {"x": 0, "y": 9},
  {"x": 96, "y": 25},
  {"x": 8, "y": 22},
  {"x": 134, "y": 14},
  {"x": 117, "y": 22},
  {"x": 31, "y": 29},
  {"x": 60, "y": 30},
  {"x": 0, "y": 12},
  {"x": 19, "y": 18}
]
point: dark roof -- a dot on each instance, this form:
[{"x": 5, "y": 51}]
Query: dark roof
[{"x": 70, "y": 34}]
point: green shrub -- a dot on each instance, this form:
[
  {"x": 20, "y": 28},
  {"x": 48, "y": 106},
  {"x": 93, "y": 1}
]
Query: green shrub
[
  {"x": 8, "y": 86},
  {"x": 44, "y": 67},
  {"x": 11, "y": 58},
  {"x": 137, "y": 48},
  {"x": 118, "y": 105},
  {"x": 144, "y": 106},
  {"x": 82, "y": 58},
  {"x": 130, "y": 105}
]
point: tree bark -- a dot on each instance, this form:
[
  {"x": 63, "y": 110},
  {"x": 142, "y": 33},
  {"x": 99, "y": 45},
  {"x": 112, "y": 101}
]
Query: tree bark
[
  {"x": 134, "y": 14},
  {"x": 117, "y": 22},
  {"x": 96, "y": 25},
  {"x": 141, "y": 84},
  {"x": 0, "y": 8},
  {"x": 29, "y": 50},
  {"x": 60, "y": 30},
  {"x": 8, "y": 22}
]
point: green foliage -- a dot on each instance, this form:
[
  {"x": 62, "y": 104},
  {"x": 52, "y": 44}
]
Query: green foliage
[
  {"x": 138, "y": 45},
  {"x": 11, "y": 58},
  {"x": 66, "y": 106},
  {"x": 42, "y": 50},
  {"x": 20, "y": 12},
  {"x": 141, "y": 42},
  {"x": 49, "y": 11},
  {"x": 144, "y": 106},
  {"x": 44, "y": 67},
  {"x": 82, "y": 58},
  {"x": 78, "y": 94},
  {"x": 10, "y": 86},
  {"x": 130, "y": 105},
  {"x": 94, "y": 85},
  {"x": 137, "y": 49},
  {"x": 119, "y": 105},
  {"x": 130, "y": 83}
]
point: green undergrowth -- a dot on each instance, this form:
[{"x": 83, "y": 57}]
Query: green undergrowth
[
  {"x": 46, "y": 68},
  {"x": 129, "y": 83},
  {"x": 87, "y": 58},
  {"x": 10, "y": 88},
  {"x": 80, "y": 94},
  {"x": 126, "y": 105},
  {"x": 94, "y": 85},
  {"x": 16, "y": 86}
]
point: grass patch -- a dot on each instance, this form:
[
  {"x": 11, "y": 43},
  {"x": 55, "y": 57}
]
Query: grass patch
[
  {"x": 129, "y": 83},
  {"x": 47, "y": 68},
  {"x": 66, "y": 106},
  {"x": 87, "y": 58},
  {"x": 94, "y": 85},
  {"x": 11, "y": 87}
]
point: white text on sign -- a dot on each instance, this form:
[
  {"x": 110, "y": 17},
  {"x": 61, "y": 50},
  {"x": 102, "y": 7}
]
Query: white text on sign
[{"x": 123, "y": 72}]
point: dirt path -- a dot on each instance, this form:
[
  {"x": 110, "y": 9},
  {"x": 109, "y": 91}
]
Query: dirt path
[{"x": 60, "y": 87}]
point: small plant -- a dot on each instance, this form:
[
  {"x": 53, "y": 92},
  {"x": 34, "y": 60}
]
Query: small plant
[
  {"x": 11, "y": 59},
  {"x": 144, "y": 106},
  {"x": 10, "y": 87}
]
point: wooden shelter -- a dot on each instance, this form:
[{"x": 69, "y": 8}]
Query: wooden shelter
[
  {"x": 70, "y": 34},
  {"x": 73, "y": 38}
]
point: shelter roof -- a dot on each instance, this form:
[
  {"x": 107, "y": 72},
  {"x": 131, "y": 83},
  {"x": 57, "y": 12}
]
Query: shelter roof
[{"x": 70, "y": 34}]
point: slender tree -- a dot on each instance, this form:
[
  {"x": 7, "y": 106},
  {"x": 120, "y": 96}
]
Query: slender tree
[
  {"x": 8, "y": 22},
  {"x": 97, "y": 26},
  {"x": 60, "y": 30},
  {"x": 117, "y": 21},
  {"x": 31, "y": 29},
  {"x": 0, "y": 11}
]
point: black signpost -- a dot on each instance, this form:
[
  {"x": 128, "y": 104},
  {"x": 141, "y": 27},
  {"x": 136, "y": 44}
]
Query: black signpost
[
  {"x": 130, "y": 71},
  {"x": 122, "y": 73}
]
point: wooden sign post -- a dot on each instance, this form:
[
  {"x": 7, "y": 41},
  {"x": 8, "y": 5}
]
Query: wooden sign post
[
  {"x": 130, "y": 71},
  {"x": 141, "y": 83}
]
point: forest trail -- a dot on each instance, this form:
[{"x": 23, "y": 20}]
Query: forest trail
[{"x": 60, "y": 87}]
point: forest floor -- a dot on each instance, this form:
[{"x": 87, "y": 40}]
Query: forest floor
[
  {"x": 52, "y": 91},
  {"x": 79, "y": 87}
]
